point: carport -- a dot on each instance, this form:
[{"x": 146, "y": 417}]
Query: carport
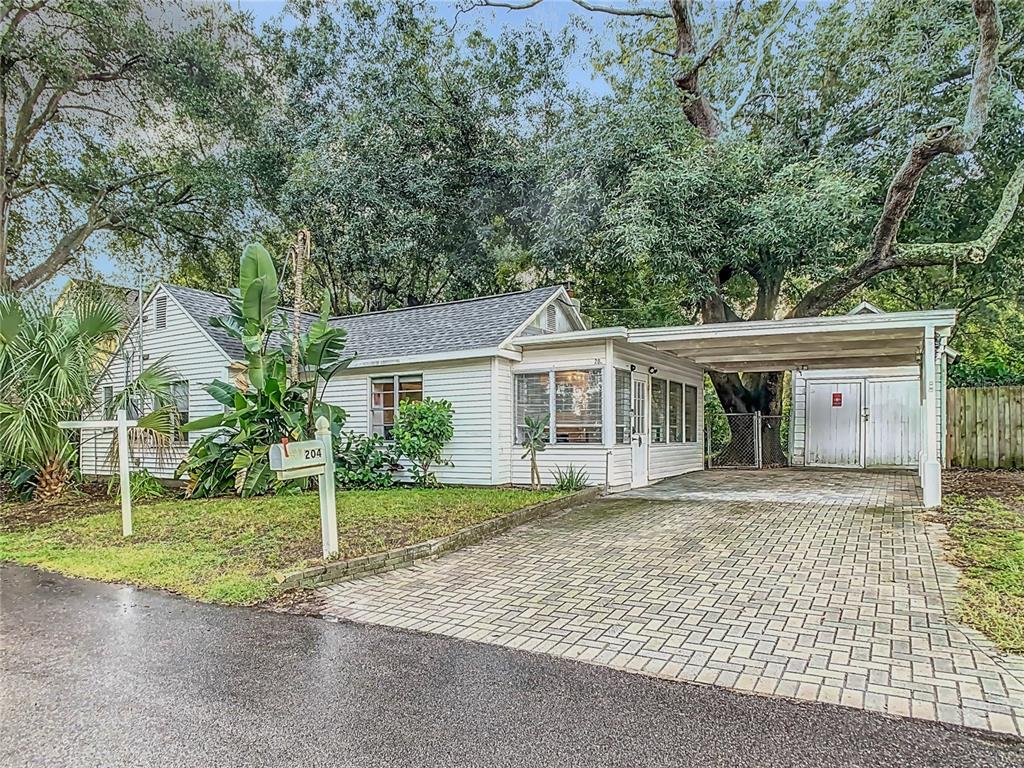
[{"x": 877, "y": 341}]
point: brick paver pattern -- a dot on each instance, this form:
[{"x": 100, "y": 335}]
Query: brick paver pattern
[{"x": 818, "y": 585}]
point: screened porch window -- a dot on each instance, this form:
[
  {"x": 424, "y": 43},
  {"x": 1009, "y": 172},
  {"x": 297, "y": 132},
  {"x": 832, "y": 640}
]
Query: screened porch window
[
  {"x": 691, "y": 414},
  {"x": 386, "y": 392},
  {"x": 659, "y": 411},
  {"x": 675, "y": 412},
  {"x": 533, "y": 399},
  {"x": 570, "y": 399},
  {"x": 578, "y": 406},
  {"x": 623, "y": 406}
]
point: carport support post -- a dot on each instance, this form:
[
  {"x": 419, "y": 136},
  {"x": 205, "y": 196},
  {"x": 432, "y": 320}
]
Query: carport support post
[{"x": 931, "y": 470}]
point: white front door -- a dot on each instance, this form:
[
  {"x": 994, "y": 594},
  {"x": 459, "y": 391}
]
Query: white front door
[
  {"x": 641, "y": 427},
  {"x": 834, "y": 423},
  {"x": 893, "y": 423}
]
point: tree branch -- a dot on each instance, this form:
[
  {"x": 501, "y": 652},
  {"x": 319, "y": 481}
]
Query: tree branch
[
  {"x": 767, "y": 34},
  {"x": 945, "y": 137},
  {"x": 910, "y": 255},
  {"x": 652, "y": 13},
  {"x": 696, "y": 106}
]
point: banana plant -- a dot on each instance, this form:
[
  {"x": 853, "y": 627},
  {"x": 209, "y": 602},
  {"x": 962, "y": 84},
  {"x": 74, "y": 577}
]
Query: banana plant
[{"x": 272, "y": 406}]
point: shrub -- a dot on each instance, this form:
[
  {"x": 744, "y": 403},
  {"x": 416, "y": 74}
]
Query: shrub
[
  {"x": 143, "y": 486},
  {"x": 535, "y": 440},
  {"x": 421, "y": 431},
  {"x": 364, "y": 462},
  {"x": 571, "y": 479}
]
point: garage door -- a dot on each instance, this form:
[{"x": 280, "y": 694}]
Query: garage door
[
  {"x": 894, "y": 423},
  {"x": 833, "y": 423}
]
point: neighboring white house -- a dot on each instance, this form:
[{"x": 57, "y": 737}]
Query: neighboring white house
[{"x": 626, "y": 405}]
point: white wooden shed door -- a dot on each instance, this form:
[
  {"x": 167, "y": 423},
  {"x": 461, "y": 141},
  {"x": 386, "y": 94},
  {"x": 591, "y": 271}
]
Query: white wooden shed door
[
  {"x": 894, "y": 422},
  {"x": 834, "y": 423}
]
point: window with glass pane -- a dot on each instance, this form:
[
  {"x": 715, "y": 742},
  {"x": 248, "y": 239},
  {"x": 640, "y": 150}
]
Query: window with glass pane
[
  {"x": 675, "y": 412},
  {"x": 578, "y": 406},
  {"x": 178, "y": 401},
  {"x": 108, "y": 402},
  {"x": 691, "y": 414},
  {"x": 623, "y": 383},
  {"x": 386, "y": 392},
  {"x": 533, "y": 399},
  {"x": 659, "y": 410}
]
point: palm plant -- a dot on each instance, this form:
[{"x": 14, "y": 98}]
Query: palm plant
[
  {"x": 535, "y": 440},
  {"x": 48, "y": 374}
]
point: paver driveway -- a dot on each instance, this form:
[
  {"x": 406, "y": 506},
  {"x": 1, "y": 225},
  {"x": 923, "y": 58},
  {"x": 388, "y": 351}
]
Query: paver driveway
[{"x": 826, "y": 586}]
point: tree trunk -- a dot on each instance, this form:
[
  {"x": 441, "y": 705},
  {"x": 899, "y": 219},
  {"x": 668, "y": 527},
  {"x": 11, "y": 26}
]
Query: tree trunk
[
  {"x": 51, "y": 481},
  {"x": 741, "y": 397}
]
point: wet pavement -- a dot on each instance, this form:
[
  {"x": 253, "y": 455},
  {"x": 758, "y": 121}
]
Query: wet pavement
[{"x": 105, "y": 675}]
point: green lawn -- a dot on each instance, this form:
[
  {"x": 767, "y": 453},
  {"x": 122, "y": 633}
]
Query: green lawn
[
  {"x": 227, "y": 550},
  {"x": 988, "y": 544}
]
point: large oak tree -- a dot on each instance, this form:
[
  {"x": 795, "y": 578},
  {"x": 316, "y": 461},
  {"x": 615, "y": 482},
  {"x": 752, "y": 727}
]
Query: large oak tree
[
  {"x": 849, "y": 105},
  {"x": 109, "y": 113}
]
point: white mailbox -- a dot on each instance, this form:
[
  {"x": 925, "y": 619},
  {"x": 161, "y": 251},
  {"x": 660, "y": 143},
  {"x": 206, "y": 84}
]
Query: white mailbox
[
  {"x": 302, "y": 459},
  {"x": 305, "y": 459}
]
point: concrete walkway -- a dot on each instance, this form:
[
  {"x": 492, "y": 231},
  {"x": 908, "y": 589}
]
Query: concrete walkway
[{"x": 817, "y": 585}]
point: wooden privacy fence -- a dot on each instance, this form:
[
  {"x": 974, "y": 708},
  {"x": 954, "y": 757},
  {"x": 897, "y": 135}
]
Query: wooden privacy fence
[{"x": 985, "y": 427}]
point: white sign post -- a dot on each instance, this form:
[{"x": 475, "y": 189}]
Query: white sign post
[
  {"x": 311, "y": 458},
  {"x": 121, "y": 424}
]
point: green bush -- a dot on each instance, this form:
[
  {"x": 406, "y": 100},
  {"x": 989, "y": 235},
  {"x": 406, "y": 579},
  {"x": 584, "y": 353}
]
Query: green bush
[
  {"x": 365, "y": 462},
  {"x": 570, "y": 479},
  {"x": 143, "y": 486},
  {"x": 421, "y": 431}
]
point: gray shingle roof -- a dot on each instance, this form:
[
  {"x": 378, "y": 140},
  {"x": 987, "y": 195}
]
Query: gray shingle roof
[{"x": 451, "y": 327}]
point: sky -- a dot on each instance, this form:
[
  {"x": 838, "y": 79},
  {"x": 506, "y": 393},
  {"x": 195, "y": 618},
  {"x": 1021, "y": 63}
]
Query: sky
[{"x": 553, "y": 15}]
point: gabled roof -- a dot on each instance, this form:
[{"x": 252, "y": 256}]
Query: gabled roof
[{"x": 471, "y": 324}]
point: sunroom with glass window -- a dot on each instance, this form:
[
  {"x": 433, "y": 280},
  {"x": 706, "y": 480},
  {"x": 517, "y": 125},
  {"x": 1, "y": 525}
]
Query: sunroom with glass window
[{"x": 626, "y": 414}]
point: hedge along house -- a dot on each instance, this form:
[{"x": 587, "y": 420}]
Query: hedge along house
[{"x": 625, "y": 405}]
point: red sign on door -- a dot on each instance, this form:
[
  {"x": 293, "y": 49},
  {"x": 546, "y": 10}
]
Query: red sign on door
[{"x": 837, "y": 399}]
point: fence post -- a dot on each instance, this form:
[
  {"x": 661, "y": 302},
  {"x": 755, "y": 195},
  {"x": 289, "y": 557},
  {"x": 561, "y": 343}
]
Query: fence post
[{"x": 758, "y": 459}]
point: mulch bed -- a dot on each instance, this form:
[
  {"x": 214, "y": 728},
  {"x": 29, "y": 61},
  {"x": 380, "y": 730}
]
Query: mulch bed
[
  {"x": 1003, "y": 484},
  {"x": 85, "y": 499}
]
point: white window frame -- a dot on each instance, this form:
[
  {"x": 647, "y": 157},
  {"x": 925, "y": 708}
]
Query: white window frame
[
  {"x": 627, "y": 425},
  {"x": 688, "y": 438},
  {"x": 552, "y": 426},
  {"x": 396, "y": 390}
]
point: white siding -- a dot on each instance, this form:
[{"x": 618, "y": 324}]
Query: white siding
[
  {"x": 190, "y": 353},
  {"x": 467, "y": 384},
  {"x": 605, "y": 464},
  {"x": 668, "y": 459},
  {"x": 798, "y": 417}
]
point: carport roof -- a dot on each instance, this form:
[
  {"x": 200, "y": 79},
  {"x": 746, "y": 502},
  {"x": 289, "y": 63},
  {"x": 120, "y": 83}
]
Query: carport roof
[{"x": 844, "y": 341}]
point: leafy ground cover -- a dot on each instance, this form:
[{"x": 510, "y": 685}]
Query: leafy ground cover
[
  {"x": 228, "y": 549},
  {"x": 984, "y": 513}
]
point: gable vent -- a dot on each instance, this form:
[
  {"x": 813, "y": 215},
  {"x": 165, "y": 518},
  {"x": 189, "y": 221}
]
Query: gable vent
[
  {"x": 161, "y": 312},
  {"x": 551, "y": 322}
]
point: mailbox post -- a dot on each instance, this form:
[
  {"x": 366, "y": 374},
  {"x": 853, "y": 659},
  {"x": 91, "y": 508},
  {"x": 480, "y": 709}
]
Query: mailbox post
[{"x": 311, "y": 458}]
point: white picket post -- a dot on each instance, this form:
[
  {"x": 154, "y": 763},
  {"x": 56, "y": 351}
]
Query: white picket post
[
  {"x": 328, "y": 507},
  {"x": 126, "y": 480}
]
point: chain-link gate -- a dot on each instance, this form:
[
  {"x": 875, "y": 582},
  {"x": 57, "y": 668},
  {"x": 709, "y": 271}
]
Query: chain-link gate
[{"x": 745, "y": 440}]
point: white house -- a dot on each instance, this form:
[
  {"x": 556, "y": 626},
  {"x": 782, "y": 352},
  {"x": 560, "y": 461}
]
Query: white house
[{"x": 624, "y": 404}]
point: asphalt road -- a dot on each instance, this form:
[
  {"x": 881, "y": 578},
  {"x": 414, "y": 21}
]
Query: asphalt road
[{"x": 102, "y": 675}]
